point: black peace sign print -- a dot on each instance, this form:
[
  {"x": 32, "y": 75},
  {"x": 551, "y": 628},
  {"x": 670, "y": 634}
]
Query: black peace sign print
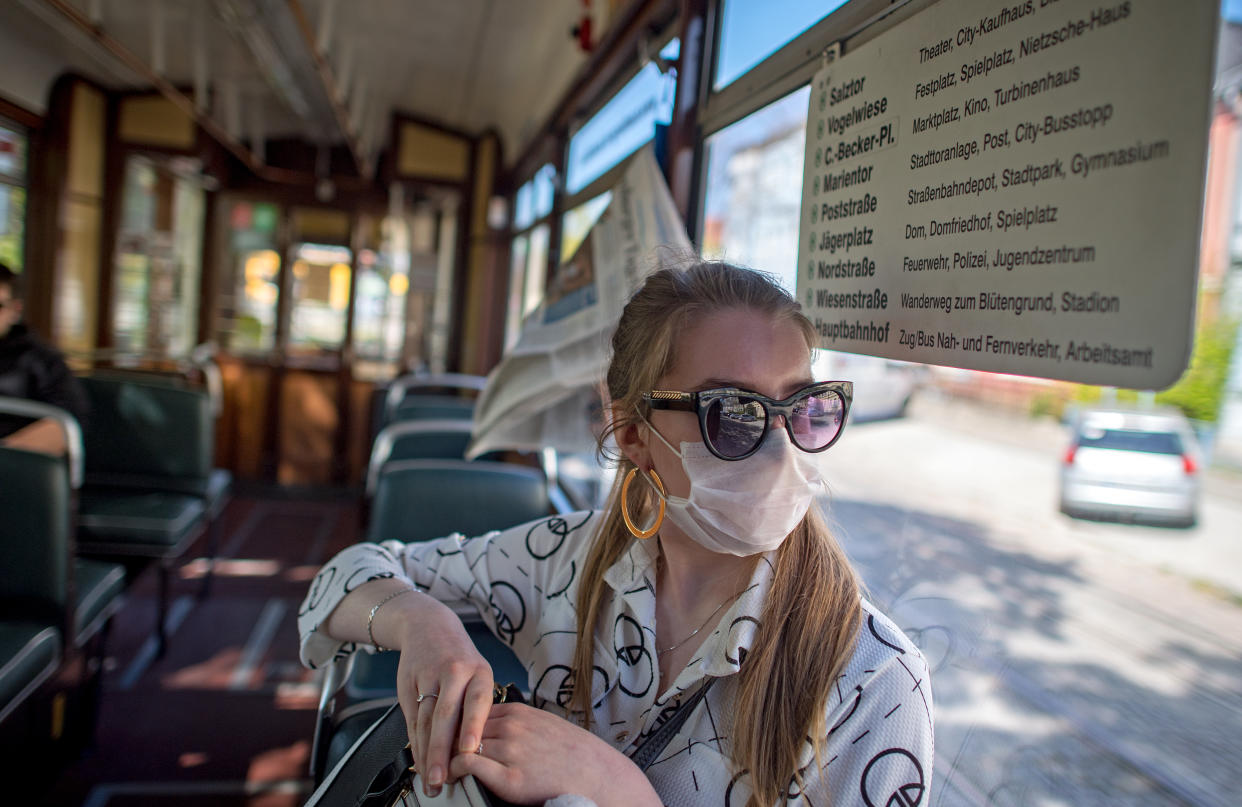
[
  {"x": 893, "y": 778},
  {"x": 508, "y": 609},
  {"x": 631, "y": 651},
  {"x": 546, "y": 538}
]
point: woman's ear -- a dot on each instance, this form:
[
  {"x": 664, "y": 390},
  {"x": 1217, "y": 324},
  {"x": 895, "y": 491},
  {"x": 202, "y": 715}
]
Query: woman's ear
[{"x": 632, "y": 440}]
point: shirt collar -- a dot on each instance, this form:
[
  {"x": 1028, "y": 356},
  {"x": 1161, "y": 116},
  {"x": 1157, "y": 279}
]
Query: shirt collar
[
  {"x": 725, "y": 649},
  {"x": 635, "y": 568},
  {"x": 632, "y": 577}
]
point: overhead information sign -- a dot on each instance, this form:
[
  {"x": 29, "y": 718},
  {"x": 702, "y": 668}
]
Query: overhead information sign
[{"x": 1014, "y": 188}]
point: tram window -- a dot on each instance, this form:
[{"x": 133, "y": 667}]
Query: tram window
[
  {"x": 382, "y": 289},
  {"x": 576, "y": 223},
  {"x": 320, "y": 295},
  {"x": 542, "y": 187},
  {"x": 523, "y": 208},
  {"x": 751, "y": 30},
  {"x": 528, "y": 263},
  {"x": 753, "y": 188},
  {"x": 159, "y": 249},
  {"x": 517, "y": 281},
  {"x": 12, "y": 195},
  {"x": 625, "y": 122},
  {"x": 248, "y": 305},
  {"x": 536, "y": 269}
]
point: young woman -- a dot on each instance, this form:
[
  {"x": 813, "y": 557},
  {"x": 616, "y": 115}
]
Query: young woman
[{"x": 710, "y": 563}]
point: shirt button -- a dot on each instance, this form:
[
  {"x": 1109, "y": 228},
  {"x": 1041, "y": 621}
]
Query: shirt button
[{"x": 623, "y": 736}]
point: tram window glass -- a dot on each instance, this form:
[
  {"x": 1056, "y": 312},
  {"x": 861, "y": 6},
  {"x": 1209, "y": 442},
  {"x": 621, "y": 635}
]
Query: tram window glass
[
  {"x": 536, "y": 269},
  {"x": 752, "y": 30},
  {"x": 523, "y": 209},
  {"x": 528, "y": 263},
  {"x": 12, "y": 194},
  {"x": 542, "y": 187},
  {"x": 576, "y": 223},
  {"x": 248, "y": 304},
  {"x": 517, "y": 280},
  {"x": 625, "y": 122},
  {"x": 382, "y": 289},
  {"x": 753, "y": 188},
  {"x": 320, "y": 295},
  {"x": 157, "y": 264}
]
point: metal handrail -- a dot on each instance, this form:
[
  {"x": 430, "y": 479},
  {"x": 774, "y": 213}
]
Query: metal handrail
[{"x": 67, "y": 422}]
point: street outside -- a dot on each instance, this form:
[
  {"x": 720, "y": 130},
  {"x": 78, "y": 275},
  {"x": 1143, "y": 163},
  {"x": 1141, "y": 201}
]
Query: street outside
[{"x": 1075, "y": 662}]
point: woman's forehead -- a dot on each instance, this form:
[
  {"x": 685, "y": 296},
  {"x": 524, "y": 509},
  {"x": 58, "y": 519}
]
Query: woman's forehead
[{"x": 740, "y": 347}]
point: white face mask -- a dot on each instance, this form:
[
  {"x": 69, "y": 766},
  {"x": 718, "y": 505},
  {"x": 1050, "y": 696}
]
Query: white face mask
[{"x": 745, "y": 506}]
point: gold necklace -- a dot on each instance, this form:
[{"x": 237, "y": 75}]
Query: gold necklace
[{"x": 693, "y": 633}]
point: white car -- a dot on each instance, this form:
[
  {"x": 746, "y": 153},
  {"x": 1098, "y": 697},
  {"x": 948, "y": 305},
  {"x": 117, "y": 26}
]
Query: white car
[{"x": 1132, "y": 466}]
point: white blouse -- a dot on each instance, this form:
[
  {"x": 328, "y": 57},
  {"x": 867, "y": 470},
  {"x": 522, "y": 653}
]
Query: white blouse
[{"x": 523, "y": 581}]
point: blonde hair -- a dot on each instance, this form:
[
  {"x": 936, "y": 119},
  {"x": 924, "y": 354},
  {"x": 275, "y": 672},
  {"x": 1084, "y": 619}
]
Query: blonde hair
[{"x": 812, "y": 608}]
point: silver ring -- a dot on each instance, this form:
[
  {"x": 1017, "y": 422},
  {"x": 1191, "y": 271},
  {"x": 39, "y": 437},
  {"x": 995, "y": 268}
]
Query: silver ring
[
  {"x": 479, "y": 750},
  {"x": 424, "y": 697}
]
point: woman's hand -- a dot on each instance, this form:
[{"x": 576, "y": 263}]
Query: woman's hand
[
  {"x": 440, "y": 663},
  {"x": 530, "y": 755}
]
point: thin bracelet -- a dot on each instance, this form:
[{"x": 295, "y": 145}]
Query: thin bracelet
[{"x": 375, "y": 609}]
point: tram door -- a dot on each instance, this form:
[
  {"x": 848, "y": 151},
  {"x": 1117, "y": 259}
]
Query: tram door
[{"x": 316, "y": 306}]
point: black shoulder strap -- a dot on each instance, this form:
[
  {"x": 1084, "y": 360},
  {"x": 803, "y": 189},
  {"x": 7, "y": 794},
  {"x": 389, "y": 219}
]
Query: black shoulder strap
[
  {"x": 379, "y": 747},
  {"x": 651, "y": 747}
]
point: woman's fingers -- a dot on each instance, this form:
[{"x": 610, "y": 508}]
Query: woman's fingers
[
  {"x": 476, "y": 704},
  {"x": 486, "y": 770},
  {"x": 424, "y": 716},
  {"x": 441, "y": 731}
]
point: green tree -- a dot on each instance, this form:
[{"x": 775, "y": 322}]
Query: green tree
[{"x": 1199, "y": 391}]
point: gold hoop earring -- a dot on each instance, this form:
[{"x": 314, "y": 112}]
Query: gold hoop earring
[{"x": 625, "y": 512}]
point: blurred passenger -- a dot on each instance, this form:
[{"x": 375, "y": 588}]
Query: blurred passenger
[
  {"x": 32, "y": 369},
  {"x": 710, "y": 563}
]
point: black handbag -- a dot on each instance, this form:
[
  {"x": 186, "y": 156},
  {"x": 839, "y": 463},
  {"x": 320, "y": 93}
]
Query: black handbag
[{"x": 376, "y": 770}]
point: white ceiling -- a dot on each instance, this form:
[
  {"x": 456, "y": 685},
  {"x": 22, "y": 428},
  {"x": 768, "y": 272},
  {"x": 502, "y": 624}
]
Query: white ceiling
[{"x": 467, "y": 64}]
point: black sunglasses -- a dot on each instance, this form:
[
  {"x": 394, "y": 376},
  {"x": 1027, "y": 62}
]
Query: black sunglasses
[{"x": 734, "y": 422}]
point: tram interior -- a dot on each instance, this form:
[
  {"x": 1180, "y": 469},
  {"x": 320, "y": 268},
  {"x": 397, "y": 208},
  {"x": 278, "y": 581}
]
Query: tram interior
[{"x": 268, "y": 237}]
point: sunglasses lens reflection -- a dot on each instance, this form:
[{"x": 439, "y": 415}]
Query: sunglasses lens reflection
[
  {"x": 735, "y": 425},
  {"x": 817, "y": 419}
]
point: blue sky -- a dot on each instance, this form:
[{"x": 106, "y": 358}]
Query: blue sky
[
  {"x": 751, "y": 30},
  {"x": 1231, "y": 10}
]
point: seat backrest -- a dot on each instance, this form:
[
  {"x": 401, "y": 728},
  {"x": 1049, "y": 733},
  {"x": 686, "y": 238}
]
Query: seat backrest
[
  {"x": 35, "y": 534},
  {"x": 437, "y": 438},
  {"x": 415, "y": 384},
  {"x": 420, "y": 499},
  {"x": 428, "y": 407},
  {"x": 147, "y": 433}
]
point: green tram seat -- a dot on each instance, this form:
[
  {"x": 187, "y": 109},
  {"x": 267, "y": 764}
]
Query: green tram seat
[
  {"x": 423, "y": 396},
  {"x": 150, "y": 490},
  {"x": 54, "y": 603},
  {"x": 436, "y": 438},
  {"x": 420, "y": 499},
  {"x": 417, "y": 500},
  {"x": 424, "y": 407},
  {"x": 214, "y": 487}
]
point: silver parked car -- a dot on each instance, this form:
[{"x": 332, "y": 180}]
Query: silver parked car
[{"x": 1132, "y": 466}]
